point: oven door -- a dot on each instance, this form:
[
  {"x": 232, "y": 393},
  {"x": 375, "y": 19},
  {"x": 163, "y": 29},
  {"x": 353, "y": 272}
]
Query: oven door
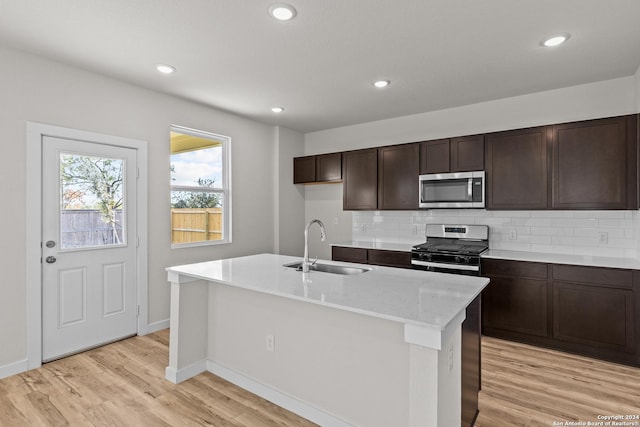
[
  {"x": 452, "y": 190},
  {"x": 441, "y": 267}
]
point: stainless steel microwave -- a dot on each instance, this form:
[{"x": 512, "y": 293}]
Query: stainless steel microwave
[{"x": 452, "y": 190}]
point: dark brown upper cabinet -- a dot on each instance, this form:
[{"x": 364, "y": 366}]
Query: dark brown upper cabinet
[
  {"x": 360, "y": 179},
  {"x": 594, "y": 164},
  {"x": 398, "y": 167},
  {"x": 516, "y": 169},
  {"x": 461, "y": 154},
  {"x": 320, "y": 168},
  {"x": 304, "y": 169}
]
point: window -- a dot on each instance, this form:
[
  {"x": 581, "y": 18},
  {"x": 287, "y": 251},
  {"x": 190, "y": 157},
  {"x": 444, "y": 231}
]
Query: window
[{"x": 200, "y": 188}]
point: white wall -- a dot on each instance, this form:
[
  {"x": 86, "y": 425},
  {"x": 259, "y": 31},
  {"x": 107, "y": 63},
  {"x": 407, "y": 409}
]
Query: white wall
[
  {"x": 565, "y": 232},
  {"x": 324, "y": 202},
  {"x": 601, "y": 99},
  {"x": 39, "y": 90},
  {"x": 289, "y": 218},
  {"x": 637, "y": 92}
]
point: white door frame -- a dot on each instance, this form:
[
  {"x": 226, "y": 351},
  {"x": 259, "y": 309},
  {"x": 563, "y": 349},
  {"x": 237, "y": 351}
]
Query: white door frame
[{"x": 35, "y": 132}]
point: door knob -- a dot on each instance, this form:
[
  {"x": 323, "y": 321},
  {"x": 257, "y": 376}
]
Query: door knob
[
  {"x": 51, "y": 244},
  {"x": 50, "y": 259}
]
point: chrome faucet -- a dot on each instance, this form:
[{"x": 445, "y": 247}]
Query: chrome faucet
[{"x": 305, "y": 262}]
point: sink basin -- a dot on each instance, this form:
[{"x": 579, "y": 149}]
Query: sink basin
[{"x": 328, "y": 268}]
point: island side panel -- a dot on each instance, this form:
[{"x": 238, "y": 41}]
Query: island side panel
[
  {"x": 188, "y": 328},
  {"x": 435, "y": 380},
  {"x": 351, "y": 366}
]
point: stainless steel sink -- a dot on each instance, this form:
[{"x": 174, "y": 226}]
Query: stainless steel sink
[{"x": 328, "y": 268}]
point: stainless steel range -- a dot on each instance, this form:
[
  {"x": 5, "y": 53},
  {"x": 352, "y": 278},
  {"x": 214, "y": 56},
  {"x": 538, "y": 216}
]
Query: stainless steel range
[{"x": 452, "y": 249}]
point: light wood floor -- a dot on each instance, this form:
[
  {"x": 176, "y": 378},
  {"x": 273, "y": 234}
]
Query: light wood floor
[
  {"x": 123, "y": 384},
  {"x": 530, "y": 386}
]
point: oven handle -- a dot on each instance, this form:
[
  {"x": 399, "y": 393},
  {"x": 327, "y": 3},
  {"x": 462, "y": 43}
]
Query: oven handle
[{"x": 449, "y": 266}]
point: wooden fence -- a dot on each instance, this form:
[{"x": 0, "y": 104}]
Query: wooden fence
[
  {"x": 196, "y": 225},
  {"x": 86, "y": 228}
]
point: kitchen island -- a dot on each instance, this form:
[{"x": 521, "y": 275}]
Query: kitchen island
[{"x": 377, "y": 348}]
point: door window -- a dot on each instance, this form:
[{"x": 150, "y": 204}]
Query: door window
[{"x": 92, "y": 203}]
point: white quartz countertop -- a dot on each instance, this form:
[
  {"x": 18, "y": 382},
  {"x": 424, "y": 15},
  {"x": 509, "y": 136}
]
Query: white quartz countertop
[
  {"x": 552, "y": 258},
  {"x": 594, "y": 261},
  {"x": 411, "y": 297}
]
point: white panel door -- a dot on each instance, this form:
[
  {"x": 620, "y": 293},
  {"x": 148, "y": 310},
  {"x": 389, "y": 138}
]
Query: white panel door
[{"x": 88, "y": 246}]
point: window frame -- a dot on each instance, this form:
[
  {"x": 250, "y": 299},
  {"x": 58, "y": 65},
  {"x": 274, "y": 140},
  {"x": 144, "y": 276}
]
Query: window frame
[{"x": 225, "y": 190}]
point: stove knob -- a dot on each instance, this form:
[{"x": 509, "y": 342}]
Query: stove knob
[
  {"x": 462, "y": 259},
  {"x": 426, "y": 257}
]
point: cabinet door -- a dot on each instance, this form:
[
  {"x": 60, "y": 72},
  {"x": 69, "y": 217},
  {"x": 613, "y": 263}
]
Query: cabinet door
[
  {"x": 329, "y": 167},
  {"x": 467, "y": 153},
  {"x": 304, "y": 169},
  {"x": 594, "y": 316},
  {"x": 360, "y": 179},
  {"x": 516, "y": 166},
  {"x": 516, "y": 304},
  {"x": 434, "y": 156},
  {"x": 398, "y": 177},
  {"x": 595, "y": 164}
]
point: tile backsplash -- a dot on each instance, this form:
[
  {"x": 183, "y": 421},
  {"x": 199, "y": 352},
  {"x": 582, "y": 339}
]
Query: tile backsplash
[{"x": 595, "y": 233}]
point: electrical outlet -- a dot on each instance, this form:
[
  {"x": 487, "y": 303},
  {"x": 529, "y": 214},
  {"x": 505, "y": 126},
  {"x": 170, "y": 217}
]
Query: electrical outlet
[
  {"x": 363, "y": 228},
  {"x": 336, "y": 221},
  {"x": 271, "y": 343},
  {"x": 513, "y": 234},
  {"x": 603, "y": 237},
  {"x": 450, "y": 358}
]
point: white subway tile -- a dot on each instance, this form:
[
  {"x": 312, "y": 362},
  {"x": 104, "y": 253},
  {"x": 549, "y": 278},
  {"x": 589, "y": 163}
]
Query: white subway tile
[
  {"x": 573, "y": 222},
  {"x": 553, "y": 249},
  {"x": 620, "y": 223},
  {"x": 538, "y": 222}
]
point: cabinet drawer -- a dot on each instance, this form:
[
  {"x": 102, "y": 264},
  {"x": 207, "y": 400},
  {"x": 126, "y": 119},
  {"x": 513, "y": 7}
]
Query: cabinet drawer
[
  {"x": 390, "y": 258},
  {"x": 607, "y": 277},
  {"x": 342, "y": 253},
  {"x": 491, "y": 267}
]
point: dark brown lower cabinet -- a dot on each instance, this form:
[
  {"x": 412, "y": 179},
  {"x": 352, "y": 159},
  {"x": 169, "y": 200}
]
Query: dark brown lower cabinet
[
  {"x": 382, "y": 257},
  {"x": 592, "y": 311},
  {"x": 516, "y": 299},
  {"x": 471, "y": 327}
]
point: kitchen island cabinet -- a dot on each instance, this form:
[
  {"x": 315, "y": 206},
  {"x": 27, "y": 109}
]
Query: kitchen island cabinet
[
  {"x": 378, "y": 348},
  {"x": 471, "y": 327}
]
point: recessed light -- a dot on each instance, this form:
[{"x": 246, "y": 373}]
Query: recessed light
[
  {"x": 556, "y": 40},
  {"x": 282, "y": 11},
  {"x": 277, "y": 109},
  {"x": 165, "y": 69},
  {"x": 381, "y": 83}
]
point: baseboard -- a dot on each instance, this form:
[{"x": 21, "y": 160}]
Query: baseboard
[
  {"x": 178, "y": 375},
  {"x": 283, "y": 400},
  {"x": 157, "y": 326},
  {"x": 14, "y": 368}
]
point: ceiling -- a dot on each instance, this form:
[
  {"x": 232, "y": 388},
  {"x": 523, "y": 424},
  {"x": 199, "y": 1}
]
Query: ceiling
[{"x": 232, "y": 55}]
